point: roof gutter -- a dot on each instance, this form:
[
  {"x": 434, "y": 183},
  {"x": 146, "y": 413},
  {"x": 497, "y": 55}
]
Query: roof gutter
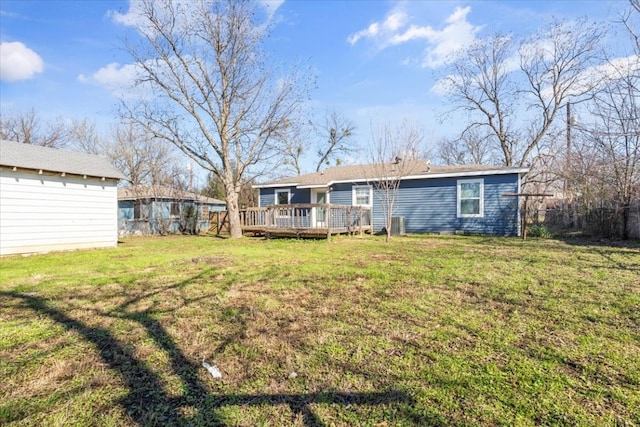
[{"x": 288, "y": 184}]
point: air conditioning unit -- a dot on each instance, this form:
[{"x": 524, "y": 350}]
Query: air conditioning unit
[{"x": 397, "y": 225}]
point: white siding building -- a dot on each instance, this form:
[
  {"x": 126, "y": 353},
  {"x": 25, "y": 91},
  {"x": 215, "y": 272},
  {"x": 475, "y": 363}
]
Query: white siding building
[{"x": 56, "y": 200}]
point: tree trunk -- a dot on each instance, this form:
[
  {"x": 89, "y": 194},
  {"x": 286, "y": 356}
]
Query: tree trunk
[
  {"x": 235, "y": 227},
  {"x": 388, "y": 228}
]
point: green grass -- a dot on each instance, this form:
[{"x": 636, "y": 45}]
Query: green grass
[{"x": 423, "y": 330}]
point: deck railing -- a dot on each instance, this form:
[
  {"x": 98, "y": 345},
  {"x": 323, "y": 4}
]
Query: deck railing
[{"x": 325, "y": 218}]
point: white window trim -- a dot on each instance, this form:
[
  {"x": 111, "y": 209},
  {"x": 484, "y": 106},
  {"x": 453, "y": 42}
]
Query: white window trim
[
  {"x": 481, "y": 198},
  {"x": 314, "y": 200},
  {"x": 353, "y": 195},
  {"x": 315, "y": 191},
  {"x": 275, "y": 194}
]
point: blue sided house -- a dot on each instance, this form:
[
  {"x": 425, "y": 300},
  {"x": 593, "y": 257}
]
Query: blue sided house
[
  {"x": 429, "y": 199},
  {"x": 164, "y": 210}
]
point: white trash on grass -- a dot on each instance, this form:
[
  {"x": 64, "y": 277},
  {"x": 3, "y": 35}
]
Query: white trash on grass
[{"x": 213, "y": 369}]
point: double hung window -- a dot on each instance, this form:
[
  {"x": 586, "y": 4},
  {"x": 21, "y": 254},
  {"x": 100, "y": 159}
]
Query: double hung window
[
  {"x": 362, "y": 195},
  {"x": 282, "y": 197},
  {"x": 470, "y": 198}
]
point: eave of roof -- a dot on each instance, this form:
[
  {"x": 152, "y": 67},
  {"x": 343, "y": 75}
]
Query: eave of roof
[
  {"x": 452, "y": 172},
  {"x": 165, "y": 193},
  {"x": 277, "y": 185},
  {"x": 16, "y": 155}
]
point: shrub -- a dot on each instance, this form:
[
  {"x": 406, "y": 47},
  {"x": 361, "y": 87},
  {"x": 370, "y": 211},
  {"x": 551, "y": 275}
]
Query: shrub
[{"x": 539, "y": 231}]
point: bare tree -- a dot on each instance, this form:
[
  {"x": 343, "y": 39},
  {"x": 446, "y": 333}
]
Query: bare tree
[
  {"x": 292, "y": 148},
  {"x": 393, "y": 152},
  {"x": 479, "y": 84},
  {"x": 471, "y": 148},
  {"x": 615, "y": 136},
  {"x": 83, "y": 136},
  {"x": 144, "y": 159},
  {"x": 516, "y": 91},
  {"x": 30, "y": 128},
  {"x": 212, "y": 92},
  {"x": 631, "y": 24},
  {"x": 601, "y": 161},
  {"x": 155, "y": 172},
  {"x": 556, "y": 63},
  {"x": 215, "y": 189},
  {"x": 335, "y": 135}
]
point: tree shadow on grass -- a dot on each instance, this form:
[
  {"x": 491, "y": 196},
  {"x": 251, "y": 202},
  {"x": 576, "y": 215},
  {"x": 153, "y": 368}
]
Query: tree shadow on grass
[{"x": 148, "y": 403}]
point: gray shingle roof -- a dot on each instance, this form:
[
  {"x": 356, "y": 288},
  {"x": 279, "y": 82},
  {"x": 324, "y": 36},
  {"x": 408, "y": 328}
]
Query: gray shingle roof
[
  {"x": 34, "y": 157},
  {"x": 410, "y": 170},
  {"x": 162, "y": 192}
]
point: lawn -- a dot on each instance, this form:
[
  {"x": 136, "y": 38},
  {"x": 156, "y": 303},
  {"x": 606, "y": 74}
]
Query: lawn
[{"x": 423, "y": 330}]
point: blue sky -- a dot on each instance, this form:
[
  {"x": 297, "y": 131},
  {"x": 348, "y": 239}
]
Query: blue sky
[{"x": 373, "y": 59}]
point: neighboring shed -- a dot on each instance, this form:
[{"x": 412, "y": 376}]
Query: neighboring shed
[
  {"x": 438, "y": 199},
  {"x": 160, "y": 210},
  {"x": 55, "y": 200}
]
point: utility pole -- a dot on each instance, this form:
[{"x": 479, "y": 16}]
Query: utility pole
[
  {"x": 565, "y": 190},
  {"x": 568, "y": 134}
]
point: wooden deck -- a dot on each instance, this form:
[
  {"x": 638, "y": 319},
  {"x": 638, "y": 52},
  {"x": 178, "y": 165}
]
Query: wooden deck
[{"x": 306, "y": 220}]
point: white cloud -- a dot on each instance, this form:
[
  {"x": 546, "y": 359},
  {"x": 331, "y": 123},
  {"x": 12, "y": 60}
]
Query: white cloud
[
  {"x": 120, "y": 80},
  {"x": 620, "y": 67},
  {"x": 371, "y": 31},
  {"x": 458, "y": 34},
  {"x": 455, "y": 33},
  {"x": 599, "y": 75},
  {"x": 132, "y": 18},
  {"x": 395, "y": 20},
  {"x": 114, "y": 75},
  {"x": 18, "y": 62}
]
